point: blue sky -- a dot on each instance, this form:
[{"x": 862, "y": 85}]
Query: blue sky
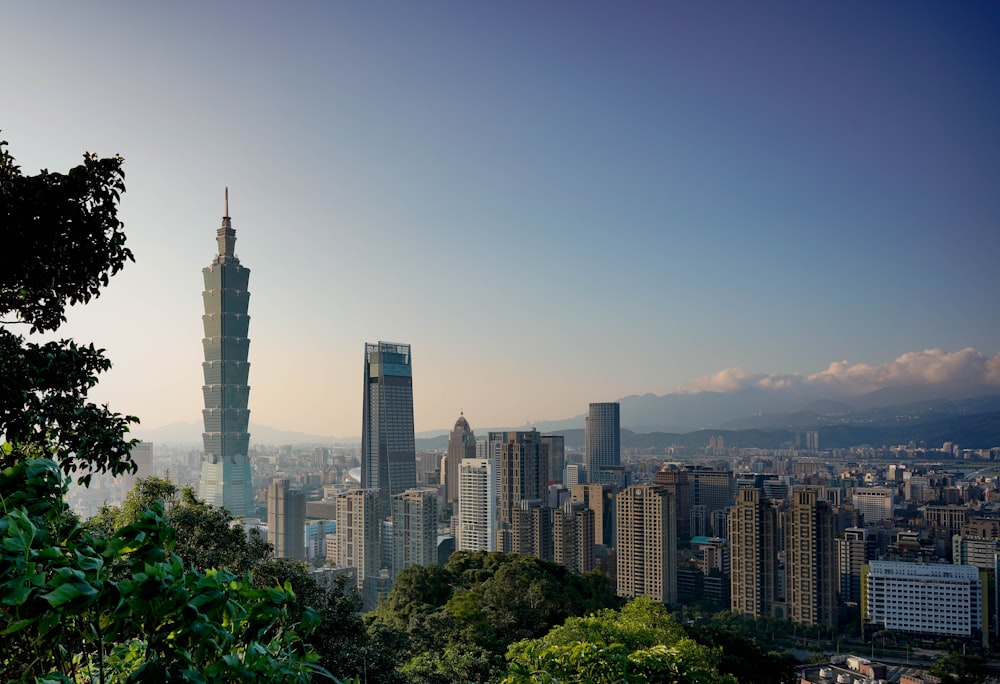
[{"x": 554, "y": 203}]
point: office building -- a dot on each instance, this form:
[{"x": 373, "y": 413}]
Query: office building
[
  {"x": 556, "y": 445},
  {"x": 286, "y": 520},
  {"x": 358, "y": 533},
  {"x": 675, "y": 480},
  {"x": 647, "y": 543},
  {"x": 461, "y": 444},
  {"x": 923, "y": 598},
  {"x": 414, "y": 528},
  {"x": 713, "y": 488},
  {"x": 811, "y": 577},
  {"x": 753, "y": 554},
  {"x": 226, "y": 479},
  {"x": 602, "y": 439},
  {"x": 388, "y": 454},
  {"x": 523, "y": 468},
  {"x": 875, "y": 504},
  {"x": 601, "y": 500},
  {"x": 477, "y": 505}
]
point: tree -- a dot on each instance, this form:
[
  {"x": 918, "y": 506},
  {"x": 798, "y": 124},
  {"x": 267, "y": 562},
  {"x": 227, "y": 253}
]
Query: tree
[
  {"x": 639, "y": 643},
  {"x": 66, "y": 613},
  {"x": 959, "y": 668}
]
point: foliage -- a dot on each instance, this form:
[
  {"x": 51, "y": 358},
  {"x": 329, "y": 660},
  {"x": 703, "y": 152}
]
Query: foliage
[
  {"x": 639, "y": 643},
  {"x": 742, "y": 655},
  {"x": 456, "y": 621},
  {"x": 62, "y": 242},
  {"x": 111, "y": 602},
  {"x": 959, "y": 668},
  {"x": 64, "y": 618}
]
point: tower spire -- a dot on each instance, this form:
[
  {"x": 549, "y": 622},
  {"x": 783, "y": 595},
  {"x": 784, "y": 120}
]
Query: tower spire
[
  {"x": 226, "y": 236},
  {"x": 226, "y": 214}
]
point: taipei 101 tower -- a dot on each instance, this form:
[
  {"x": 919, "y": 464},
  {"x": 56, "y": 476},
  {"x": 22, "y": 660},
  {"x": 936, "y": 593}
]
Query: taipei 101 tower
[{"x": 225, "y": 471}]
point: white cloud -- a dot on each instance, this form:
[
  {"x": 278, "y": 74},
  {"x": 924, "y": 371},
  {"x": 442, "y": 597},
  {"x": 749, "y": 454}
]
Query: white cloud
[{"x": 929, "y": 367}]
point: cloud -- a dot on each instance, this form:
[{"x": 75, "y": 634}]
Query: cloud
[{"x": 929, "y": 367}]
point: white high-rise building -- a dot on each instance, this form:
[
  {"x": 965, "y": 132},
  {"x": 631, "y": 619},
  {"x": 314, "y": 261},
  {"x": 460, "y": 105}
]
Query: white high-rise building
[
  {"x": 477, "y": 505},
  {"x": 876, "y": 503},
  {"x": 358, "y": 529},
  {"x": 647, "y": 543}
]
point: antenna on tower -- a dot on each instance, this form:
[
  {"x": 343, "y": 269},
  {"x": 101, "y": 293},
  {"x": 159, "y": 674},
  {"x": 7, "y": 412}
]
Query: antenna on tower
[{"x": 226, "y": 214}]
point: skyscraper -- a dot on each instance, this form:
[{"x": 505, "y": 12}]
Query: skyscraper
[
  {"x": 286, "y": 520},
  {"x": 753, "y": 554},
  {"x": 647, "y": 543},
  {"x": 225, "y": 472},
  {"x": 461, "y": 444},
  {"x": 477, "y": 505},
  {"x": 811, "y": 577},
  {"x": 602, "y": 439},
  {"x": 388, "y": 452},
  {"x": 524, "y": 468},
  {"x": 358, "y": 533}
]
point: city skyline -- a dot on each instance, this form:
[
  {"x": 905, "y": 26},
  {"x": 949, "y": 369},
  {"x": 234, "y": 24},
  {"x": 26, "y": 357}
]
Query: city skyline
[{"x": 667, "y": 197}]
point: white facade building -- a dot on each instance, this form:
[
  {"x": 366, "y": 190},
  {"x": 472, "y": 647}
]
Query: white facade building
[
  {"x": 876, "y": 503},
  {"x": 477, "y": 505},
  {"x": 923, "y": 598}
]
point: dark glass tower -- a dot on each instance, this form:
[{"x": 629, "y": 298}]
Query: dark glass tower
[
  {"x": 388, "y": 452},
  {"x": 602, "y": 432},
  {"x": 225, "y": 472}
]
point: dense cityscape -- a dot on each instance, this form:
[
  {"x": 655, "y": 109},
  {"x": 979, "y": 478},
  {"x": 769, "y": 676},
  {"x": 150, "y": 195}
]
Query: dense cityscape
[{"x": 898, "y": 542}]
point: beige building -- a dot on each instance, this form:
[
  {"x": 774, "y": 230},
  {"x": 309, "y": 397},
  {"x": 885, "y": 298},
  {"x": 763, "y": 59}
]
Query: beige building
[
  {"x": 523, "y": 466},
  {"x": 414, "y": 528},
  {"x": 573, "y": 537},
  {"x": 811, "y": 579},
  {"x": 286, "y": 520},
  {"x": 647, "y": 543},
  {"x": 753, "y": 554},
  {"x": 358, "y": 533}
]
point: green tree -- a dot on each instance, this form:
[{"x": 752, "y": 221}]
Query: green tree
[
  {"x": 959, "y": 668},
  {"x": 639, "y": 643},
  {"x": 66, "y": 614}
]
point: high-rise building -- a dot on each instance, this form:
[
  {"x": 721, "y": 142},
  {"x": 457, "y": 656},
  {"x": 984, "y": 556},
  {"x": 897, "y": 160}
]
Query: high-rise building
[
  {"x": 414, "y": 528},
  {"x": 142, "y": 456},
  {"x": 461, "y": 444},
  {"x": 875, "y": 503},
  {"x": 358, "y": 533},
  {"x": 647, "y": 543},
  {"x": 226, "y": 477},
  {"x": 811, "y": 577},
  {"x": 854, "y": 550},
  {"x": 573, "y": 537},
  {"x": 712, "y": 488},
  {"x": 531, "y": 529},
  {"x": 557, "y": 456},
  {"x": 753, "y": 554},
  {"x": 602, "y": 439},
  {"x": 286, "y": 520},
  {"x": 675, "y": 481},
  {"x": 388, "y": 453},
  {"x": 477, "y": 505},
  {"x": 523, "y": 469},
  {"x": 599, "y": 499}
]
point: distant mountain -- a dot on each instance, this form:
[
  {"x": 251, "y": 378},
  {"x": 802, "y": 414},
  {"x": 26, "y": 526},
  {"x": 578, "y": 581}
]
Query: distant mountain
[{"x": 190, "y": 433}]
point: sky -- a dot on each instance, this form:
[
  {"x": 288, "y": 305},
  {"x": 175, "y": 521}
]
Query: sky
[{"x": 554, "y": 203}]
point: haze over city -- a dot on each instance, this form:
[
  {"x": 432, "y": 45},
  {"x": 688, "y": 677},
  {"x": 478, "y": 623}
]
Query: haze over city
[{"x": 553, "y": 203}]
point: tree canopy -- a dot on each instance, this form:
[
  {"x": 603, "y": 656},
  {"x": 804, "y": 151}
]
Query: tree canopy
[
  {"x": 111, "y": 603},
  {"x": 639, "y": 643}
]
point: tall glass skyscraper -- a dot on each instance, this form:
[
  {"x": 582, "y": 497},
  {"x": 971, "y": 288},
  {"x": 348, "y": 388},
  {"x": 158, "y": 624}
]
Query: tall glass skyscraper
[
  {"x": 225, "y": 472},
  {"x": 602, "y": 439},
  {"x": 388, "y": 452}
]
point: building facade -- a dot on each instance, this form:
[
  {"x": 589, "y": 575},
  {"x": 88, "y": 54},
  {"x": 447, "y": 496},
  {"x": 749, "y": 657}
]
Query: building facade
[
  {"x": 226, "y": 476},
  {"x": 414, "y": 528},
  {"x": 286, "y": 520},
  {"x": 811, "y": 578},
  {"x": 461, "y": 444},
  {"x": 753, "y": 554},
  {"x": 388, "y": 452},
  {"x": 647, "y": 543},
  {"x": 854, "y": 551},
  {"x": 358, "y": 533},
  {"x": 874, "y": 503},
  {"x": 523, "y": 469},
  {"x": 477, "y": 505},
  {"x": 923, "y": 598},
  {"x": 602, "y": 439}
]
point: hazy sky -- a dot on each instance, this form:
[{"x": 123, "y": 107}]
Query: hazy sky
[{"x": 553, "y": 202}]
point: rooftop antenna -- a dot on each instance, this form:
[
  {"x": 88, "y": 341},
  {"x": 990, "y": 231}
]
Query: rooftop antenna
[{"x": 227, "y": 202}]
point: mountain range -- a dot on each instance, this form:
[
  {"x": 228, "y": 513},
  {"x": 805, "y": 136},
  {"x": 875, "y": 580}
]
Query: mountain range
[{"x": 759, "y": 417}]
